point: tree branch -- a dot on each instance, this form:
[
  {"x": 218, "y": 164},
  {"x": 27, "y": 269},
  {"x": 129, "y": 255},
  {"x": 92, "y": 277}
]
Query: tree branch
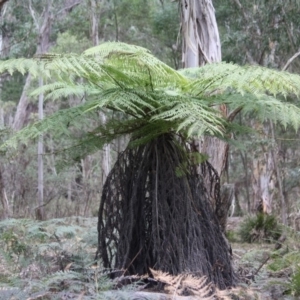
[
  {"x": 239, "y": 5},
  {"x": 290, "y": 61},
  {"x": 68, "y": 8},
  {"x": 233, "y": 114}
]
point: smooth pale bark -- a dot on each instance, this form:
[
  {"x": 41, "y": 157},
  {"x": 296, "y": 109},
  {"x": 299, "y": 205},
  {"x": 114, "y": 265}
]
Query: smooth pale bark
[
  {"x": 279, "y": 180},
  {"x": 263, "y": 171},
  {"x": 262, "y": 174},
  {"x": 4, "y": 39},
  {"x": 201, "y": 41},
  {"x": 22, "y": 114}
]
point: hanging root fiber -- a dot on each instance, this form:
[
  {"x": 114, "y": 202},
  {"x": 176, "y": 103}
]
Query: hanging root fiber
[{"x": 155, "y": 213}]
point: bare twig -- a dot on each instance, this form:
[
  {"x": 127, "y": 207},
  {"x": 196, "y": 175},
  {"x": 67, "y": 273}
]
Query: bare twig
[{"x": 262, "y": 264}]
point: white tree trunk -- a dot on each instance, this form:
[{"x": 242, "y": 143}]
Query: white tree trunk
[
  {"x": 21, "y": 113},
  {"x": 262, "y": 172},
  {"x": 201, "y": 41}
]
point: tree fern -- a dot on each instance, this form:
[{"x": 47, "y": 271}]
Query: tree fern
[
  {"x": 160, "y": 109},
  {"x": 128, "y": 79}
]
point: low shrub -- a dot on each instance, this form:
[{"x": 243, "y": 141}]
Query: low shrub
[{"x": 260, "y": 228}]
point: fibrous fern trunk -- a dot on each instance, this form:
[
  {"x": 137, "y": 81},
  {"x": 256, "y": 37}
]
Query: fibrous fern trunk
[{"x": 155, "y": 213}]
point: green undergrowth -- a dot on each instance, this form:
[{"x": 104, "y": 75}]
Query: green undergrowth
[
  {"x": 260, "y": 228},
  {"x": 286, "y": 262},
  {"x": 265, "y": 263},
  {"x": 49, "y": 259}
]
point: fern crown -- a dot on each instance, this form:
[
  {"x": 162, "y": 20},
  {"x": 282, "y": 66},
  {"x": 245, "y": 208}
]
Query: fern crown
[{"x": 151, "y": 97}]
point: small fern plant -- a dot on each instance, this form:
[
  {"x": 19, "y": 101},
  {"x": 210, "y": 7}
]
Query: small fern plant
[{"x": 153, "y": 98}]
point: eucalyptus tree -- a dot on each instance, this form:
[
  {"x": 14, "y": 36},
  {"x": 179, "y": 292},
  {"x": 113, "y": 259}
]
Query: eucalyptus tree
[{"x": 154, "y": 210}]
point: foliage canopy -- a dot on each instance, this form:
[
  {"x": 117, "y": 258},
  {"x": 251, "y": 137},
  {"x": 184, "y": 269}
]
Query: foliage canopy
[{"x": 155, "y": 98}]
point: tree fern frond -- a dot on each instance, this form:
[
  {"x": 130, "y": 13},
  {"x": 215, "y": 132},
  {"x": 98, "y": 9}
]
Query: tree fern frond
[
  {"x": 153, "y": 98},
  {"x": 105, "y": 49},
  {"x": 94, "y": 140},
  {"x": 192, "y": 115},
  {"x": 137, "y": 61},
  {"x": 24, "y": 65},
  {"x": 261, "y": 106},
  {"x": 276, "y": 110},
  {"x": 60, "y": 124},
  {"x": 129, "y": 101},
  {"x": 256, "y": 80},
  {"x": 57, "y": 90}
]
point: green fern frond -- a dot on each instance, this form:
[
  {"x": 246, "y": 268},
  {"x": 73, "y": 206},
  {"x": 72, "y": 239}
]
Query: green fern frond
[
  {"x": 256, "y": 80},
  {"x": 152, "y": 98},
  {"x": 24, "y": 65},
  {"x": 191, "y": 115},
  {"x": 106, "y": 49},
  {"x": 60, "y": 124},
  {"x": 269, "y": 108},
  {"x": 137, "y": 61},
  {"x": 58, "y": 90},
  {"x": 263, "y": 107}
]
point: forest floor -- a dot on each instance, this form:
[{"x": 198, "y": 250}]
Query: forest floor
[{"x": 54, "y": 259}]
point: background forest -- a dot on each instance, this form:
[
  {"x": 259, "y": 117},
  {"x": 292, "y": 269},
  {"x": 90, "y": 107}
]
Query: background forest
[
  {"x": 38, "y": 181},
  {"x": 260, "y": 165}
]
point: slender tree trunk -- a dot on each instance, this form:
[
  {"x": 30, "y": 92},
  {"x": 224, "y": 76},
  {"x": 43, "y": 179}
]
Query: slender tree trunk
[
  {"x": 95, "y": 37},
  {"x": 262, "y": 172},
  {"x": 279, "y": 180},
  {"x": 22, "y": 113},
  {"x": 244, "y": 159},
  {"x": 40, "y": 209}
]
